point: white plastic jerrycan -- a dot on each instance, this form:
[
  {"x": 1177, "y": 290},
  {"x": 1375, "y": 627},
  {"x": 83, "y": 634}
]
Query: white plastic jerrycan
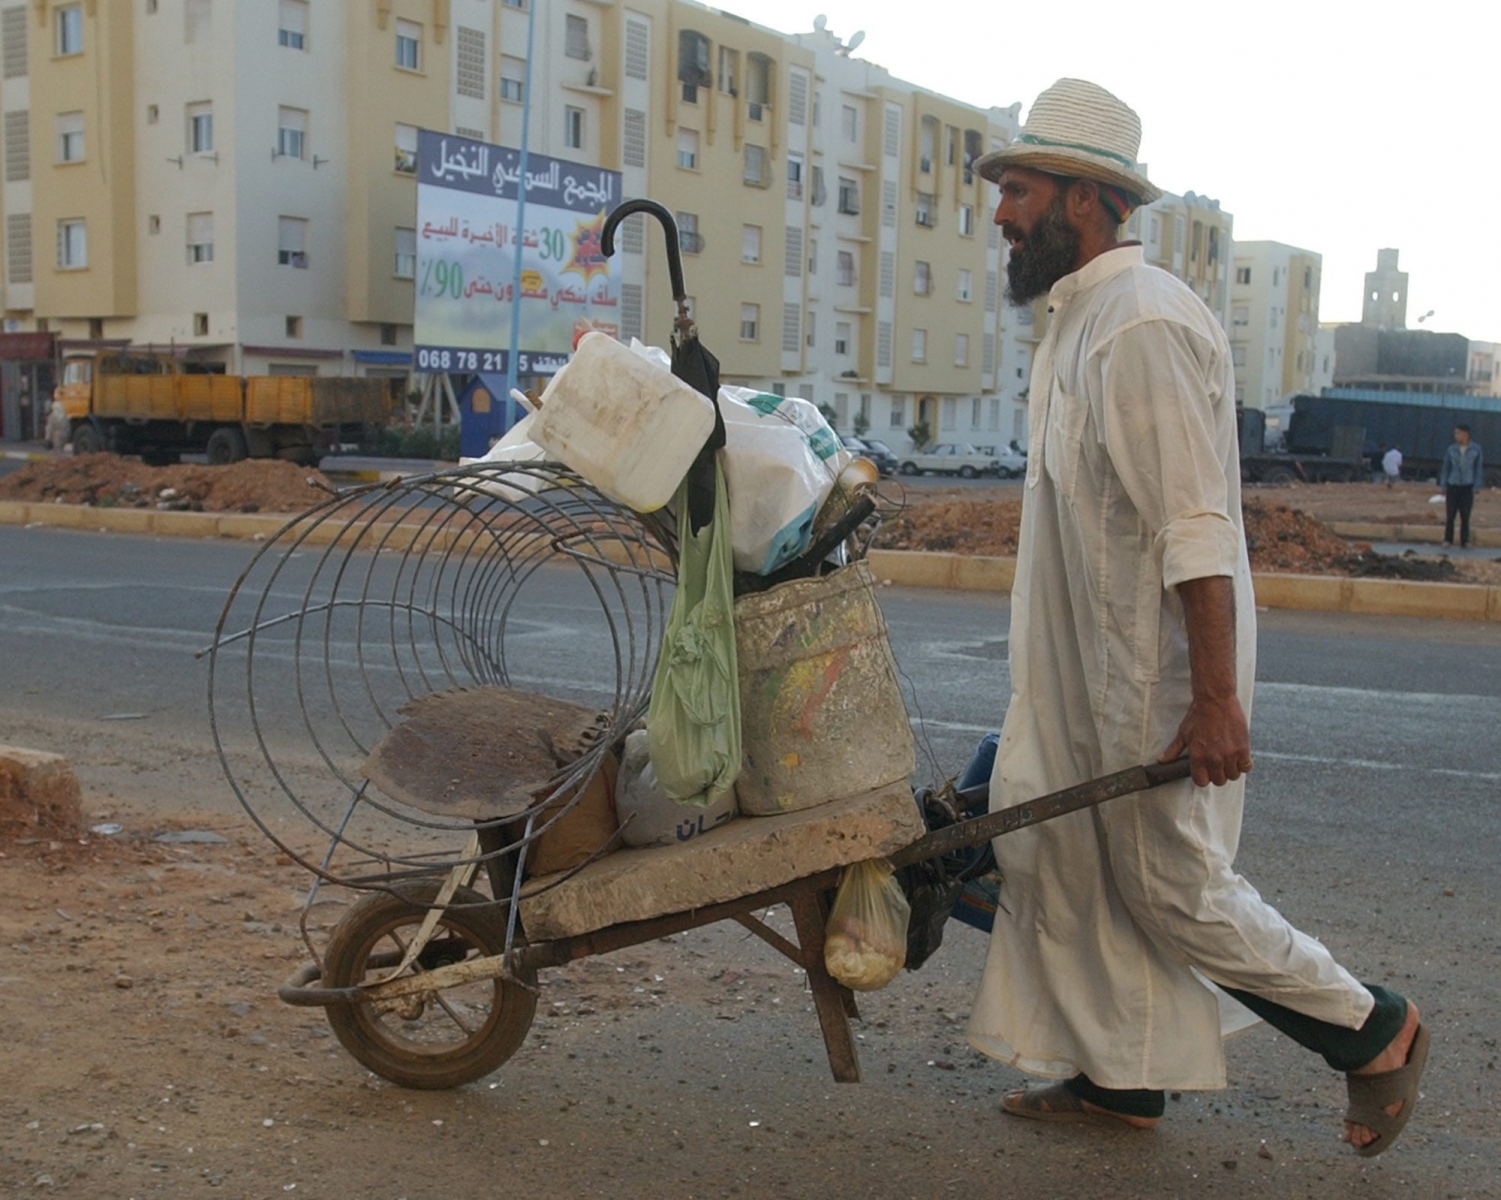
[{"x": 623, "y": 423}]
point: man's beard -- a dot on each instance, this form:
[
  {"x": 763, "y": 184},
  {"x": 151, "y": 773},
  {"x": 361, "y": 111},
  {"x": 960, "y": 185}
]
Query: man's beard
[{"x": 1047, "y": 254}]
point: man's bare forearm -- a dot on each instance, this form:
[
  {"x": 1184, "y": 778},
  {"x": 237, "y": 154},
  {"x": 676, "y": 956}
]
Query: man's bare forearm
[{"x": 1214, "y": 731}]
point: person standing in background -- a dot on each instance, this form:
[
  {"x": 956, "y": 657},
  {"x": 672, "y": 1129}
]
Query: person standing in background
[
  {"x": 1460, "y": 477},
  {"x": 1391, "y": 466}
]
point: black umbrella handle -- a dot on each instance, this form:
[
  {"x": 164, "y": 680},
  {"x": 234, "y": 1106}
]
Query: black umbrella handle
[{"x": 669, "y": 227}]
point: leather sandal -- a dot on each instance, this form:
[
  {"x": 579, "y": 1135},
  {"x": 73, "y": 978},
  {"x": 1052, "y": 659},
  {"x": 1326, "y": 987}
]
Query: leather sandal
[
  {"x": 1369, "y": 1096},
  {"x": 1057, "y": 1103}
]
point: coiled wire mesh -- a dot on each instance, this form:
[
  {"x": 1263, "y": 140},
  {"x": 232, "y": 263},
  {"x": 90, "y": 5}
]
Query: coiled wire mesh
[{"x": 513, "y": 576}]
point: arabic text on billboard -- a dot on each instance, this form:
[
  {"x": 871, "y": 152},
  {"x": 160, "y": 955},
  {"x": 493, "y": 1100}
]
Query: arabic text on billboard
[{"x": 467, "y": 240}]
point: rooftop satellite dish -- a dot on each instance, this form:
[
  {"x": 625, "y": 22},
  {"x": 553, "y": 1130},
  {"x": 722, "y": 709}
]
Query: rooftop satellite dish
[
  {"x": 819, "y": 22},
  {"x": 855, "y": 39}
]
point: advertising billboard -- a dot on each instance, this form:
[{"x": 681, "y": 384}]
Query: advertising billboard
[{"x": 467, "y": 239}]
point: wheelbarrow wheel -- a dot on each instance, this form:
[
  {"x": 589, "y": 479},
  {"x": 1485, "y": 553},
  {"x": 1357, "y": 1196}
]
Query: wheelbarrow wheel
[{"x": 436, "y": 1041}]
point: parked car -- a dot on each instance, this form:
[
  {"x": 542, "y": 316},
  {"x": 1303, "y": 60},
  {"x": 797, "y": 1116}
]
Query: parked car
[
  {"x": 1012, "y": 463},
  {"x": 878, "y": 452},
  {"x": 950, "y": 458}
]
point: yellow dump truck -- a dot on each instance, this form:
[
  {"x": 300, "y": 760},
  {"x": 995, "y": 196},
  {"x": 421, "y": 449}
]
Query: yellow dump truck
[{"x": 147, "y": 404}]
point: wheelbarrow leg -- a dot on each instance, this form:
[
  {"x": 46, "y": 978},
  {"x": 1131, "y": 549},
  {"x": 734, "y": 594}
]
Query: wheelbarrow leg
[{"x": 835, "y": 1004}]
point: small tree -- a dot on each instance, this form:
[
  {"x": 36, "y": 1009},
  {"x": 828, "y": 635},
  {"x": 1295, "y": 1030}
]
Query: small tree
[
  {"x": 861, "y": 423},
  {"x": 920, "y": 434},
  {"x": 830, "y": 416}
]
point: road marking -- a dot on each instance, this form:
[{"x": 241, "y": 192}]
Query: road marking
[{"x": 1371, "y": 764}]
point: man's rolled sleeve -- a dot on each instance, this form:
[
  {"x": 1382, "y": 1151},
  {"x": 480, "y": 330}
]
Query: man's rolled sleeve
[{"x": 1197, "y": 546}]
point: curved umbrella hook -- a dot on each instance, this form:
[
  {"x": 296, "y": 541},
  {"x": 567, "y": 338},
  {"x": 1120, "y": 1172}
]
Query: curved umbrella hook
[{"x": 669, "y": 227}]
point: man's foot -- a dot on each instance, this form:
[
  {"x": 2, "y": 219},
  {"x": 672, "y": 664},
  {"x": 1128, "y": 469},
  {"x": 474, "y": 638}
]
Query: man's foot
[
  {"x": 1394, "y": 1058},
  {"x": 1057, "y": 1103}
]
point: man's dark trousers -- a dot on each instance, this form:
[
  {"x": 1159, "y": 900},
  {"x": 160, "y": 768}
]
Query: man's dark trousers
[{"x": 1458, "y": 498}]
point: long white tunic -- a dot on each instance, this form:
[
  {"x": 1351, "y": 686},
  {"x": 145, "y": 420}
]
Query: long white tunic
[{"x": 1133, "y": 487}]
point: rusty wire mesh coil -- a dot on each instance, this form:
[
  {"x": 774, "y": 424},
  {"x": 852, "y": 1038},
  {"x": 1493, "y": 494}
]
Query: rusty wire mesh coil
[{"x": 388, "y": 593}]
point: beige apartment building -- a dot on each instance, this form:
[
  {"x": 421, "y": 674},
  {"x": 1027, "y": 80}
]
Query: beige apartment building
[
  {"x": 234, "y": 184},
  {"x": 1274, "y": 323}
]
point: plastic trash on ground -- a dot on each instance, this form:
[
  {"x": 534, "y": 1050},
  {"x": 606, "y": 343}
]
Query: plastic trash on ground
[
  {"x": 515, "y": 447},
  {"x": 865, "y": 944}
]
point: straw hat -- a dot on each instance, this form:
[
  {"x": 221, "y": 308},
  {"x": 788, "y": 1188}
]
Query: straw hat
[{"x": 1080, "y": 130}]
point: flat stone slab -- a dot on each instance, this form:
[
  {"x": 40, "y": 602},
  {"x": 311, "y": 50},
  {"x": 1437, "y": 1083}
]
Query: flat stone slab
[{"x": 748, "y": 855}]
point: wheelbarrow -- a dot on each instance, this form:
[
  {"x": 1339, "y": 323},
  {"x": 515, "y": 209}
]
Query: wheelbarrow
[{"x": 421, "y": 988}]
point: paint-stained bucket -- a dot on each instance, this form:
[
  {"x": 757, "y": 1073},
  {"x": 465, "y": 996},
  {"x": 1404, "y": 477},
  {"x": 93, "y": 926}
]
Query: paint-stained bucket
[{"x": 821, "y": 711}]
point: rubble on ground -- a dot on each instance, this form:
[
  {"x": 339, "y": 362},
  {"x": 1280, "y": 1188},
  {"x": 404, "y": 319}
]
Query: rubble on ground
[{"x": 110, "y": 481}]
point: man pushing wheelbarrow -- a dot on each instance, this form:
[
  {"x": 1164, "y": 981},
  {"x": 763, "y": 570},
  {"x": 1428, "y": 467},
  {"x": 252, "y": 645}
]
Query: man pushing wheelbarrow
[{"x": 1133, "y": 635}]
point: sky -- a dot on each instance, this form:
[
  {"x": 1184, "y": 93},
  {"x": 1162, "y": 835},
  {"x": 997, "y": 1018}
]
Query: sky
[{"x": 1329, "y": 125}]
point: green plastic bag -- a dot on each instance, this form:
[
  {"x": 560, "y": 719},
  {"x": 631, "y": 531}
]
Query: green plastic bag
[{"x": 693, "y": 722}]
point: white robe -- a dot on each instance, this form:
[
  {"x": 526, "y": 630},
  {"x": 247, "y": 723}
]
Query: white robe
[{"x": 1133, "y": 487}]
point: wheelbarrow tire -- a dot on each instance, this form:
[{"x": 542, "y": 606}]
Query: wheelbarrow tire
[{"x": 496, "y": 1013}]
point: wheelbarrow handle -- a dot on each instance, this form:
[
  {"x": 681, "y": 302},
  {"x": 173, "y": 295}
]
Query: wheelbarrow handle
[{"x": 979, "y": 830}]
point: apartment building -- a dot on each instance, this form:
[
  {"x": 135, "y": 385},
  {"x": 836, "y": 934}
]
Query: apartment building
[
  {"x": 235, "y": 184},
  {"x": 1274, "y": 323}
]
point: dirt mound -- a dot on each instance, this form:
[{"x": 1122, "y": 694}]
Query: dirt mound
[
  {"x": 109, "y": 481},
  {"x": 1278, "y": 537},
  {"x": 983, "y": 527}
]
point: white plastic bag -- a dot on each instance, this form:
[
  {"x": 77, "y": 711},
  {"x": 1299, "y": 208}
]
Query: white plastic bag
[
  {"x": 648, "y": 817},
  {"x": 780, "y": 461},
  {"x": 865, "y": 945},
  {"x": 515, "y": 447}
]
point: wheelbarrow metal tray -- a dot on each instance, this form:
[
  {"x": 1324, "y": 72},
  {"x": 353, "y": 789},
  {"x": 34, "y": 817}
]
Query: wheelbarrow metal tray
[{"x": 738, "y": 859}]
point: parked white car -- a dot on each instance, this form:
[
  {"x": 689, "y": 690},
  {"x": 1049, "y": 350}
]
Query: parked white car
[
  {"x": 949, "y": 458},
  {"x": 1012, "y": 464}
]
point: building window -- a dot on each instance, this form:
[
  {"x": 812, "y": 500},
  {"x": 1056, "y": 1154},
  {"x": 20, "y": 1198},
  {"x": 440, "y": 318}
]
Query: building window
[
  {"x": 750, "y": 243},
  {"x": 1238, "y": 354},
  {"x": 948, "y": 413},
  {"x": 291, "y": 241},
  {"x": 842, "y": 331},
  {"x": 576, "y": 38},
  {"x": 688, "y": 237},
  {"x": 812, "y": 328},
  {"x": 512, "y": 78},
  {"x": 693, "y": 64},
  {"x": 291, "y": 132},
  {"x": 408, "y": 45},
  {"x": 919, "y": 345},
  {"x": 757, "y": 85},
  {"x": 750, "y": 322},
  {"x": 816, "y": 192},
  {"x": 388, "y": 335},
  {"x": 517, "y": 4},
  {"x": 69, "y": 27},
  {"x": 292, "y": 25},
  {"x": 794, "y": 177},
  {"x": 200, "y": 237},
  {"x": 927, "y": 141},
  {"x": 72, "y": 245},
  {"x": 1242, "y": 275},
  {"x": 922, "y": 278},
  {"x": 406, "y": 254},
  {"x": 573, "y": 128},
  {"x": 69, "y": 137},
  {"x": 688, "y": 149},
  {"x": 1240, "y": 315},
  {"x": 966, "y": 220},
  {"x": 729, "y": 71},
  {"x": 966, "y": 284},
  {"x": 756, "y": 174},
  {"x": 898, "y": 419},
  {"x": 844, "y": 268},
  {"x": 201, "y": 128},
  {"x": 812, "y": 256},
  {"x": 927, "y": 210},
  {"x": 294, "y": 327},
  {"x": 961, "y": 359},
  {"x": 849, "y": 123},
  {"x": 849, "y": 196},
  {"x": 406, "y": 149},
  {"x": 200, "y": 324}
]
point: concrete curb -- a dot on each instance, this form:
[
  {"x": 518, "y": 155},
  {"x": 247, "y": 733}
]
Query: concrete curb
[
  {"x": 908, "y": 568},
  {"x": 1375, "y": 531}
]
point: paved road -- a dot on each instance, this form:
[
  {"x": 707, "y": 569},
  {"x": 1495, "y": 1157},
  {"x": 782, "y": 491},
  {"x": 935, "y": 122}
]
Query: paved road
[{"x": 1372, "y": 819}]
